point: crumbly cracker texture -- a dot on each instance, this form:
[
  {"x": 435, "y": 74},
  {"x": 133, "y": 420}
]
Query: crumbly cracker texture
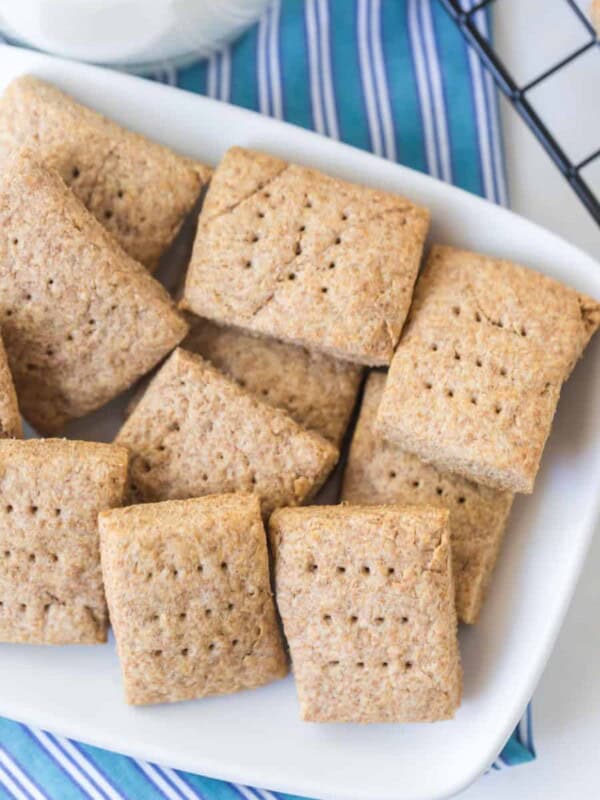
[
  {"x": 187, "y": 583},
  {"x": 10, "y": 417},
  {"x": 367, "y": 602},
  {"x": 139, "y": 190},
  {"x": 291, "y": 253},
  {"x": 317, "y": 391},
  {"x": 378, "y": 472},
  {"x": 476, "y": 378},
  {"x": 51, "y": 491},
  {"x": 196, "y": 432},
  {"x": 81, "y": 321}
]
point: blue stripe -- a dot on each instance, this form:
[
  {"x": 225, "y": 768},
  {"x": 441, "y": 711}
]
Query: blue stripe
[
  {"x": 61, "y": 785},
  {"x": 293, "y": 60},
  {"x": 345, "y": 67},
  {"x": 26, "y": 772},
  {"x": 68, "y": 757}
]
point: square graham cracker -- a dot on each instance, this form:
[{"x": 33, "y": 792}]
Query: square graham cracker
[
  {"x": 366, "y": 598},
  {"x": 196, "y": 432},
  {"x": 51, "y": 491},
  {"x": 81, "y": 321},
  {"x": 10, "y": 417},
  {"x": 317, "y": 391},
  {"x": 187, "y": 584},
  {"x": 139, "y": 190},
  {"x": 378, "y": 472},
  {"x": 476, "y": 378},
  {"x": 288, "y": 252}
]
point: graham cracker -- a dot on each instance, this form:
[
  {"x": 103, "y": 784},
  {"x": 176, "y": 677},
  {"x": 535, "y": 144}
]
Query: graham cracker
[
  {"x": 10, "y": 417},
  {"x": 187, "y": 584},
  {"x": 139, "y": 190},
  {"x": 81, "y": 320},
  {"x": 595, "y": 14},
  {"x": 367, "y": 602},
  {"x": 475, "y": 380},
  {"x": 378, "y": 472},
  {"x": 317, "y": 391},
  {"x": 288, "y": 252},
  {"x": 196, "y": 432},
  {"x": 51, "y": 491}
]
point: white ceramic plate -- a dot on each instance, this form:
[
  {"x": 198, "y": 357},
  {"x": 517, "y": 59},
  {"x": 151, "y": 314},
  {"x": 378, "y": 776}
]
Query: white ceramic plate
[{"x": 256, "y": 737}]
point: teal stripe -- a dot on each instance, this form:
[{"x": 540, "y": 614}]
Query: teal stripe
[
  {"x": 4, "y": 795},
  {"x": 194, "y": 78},
  {"x": 25, "y": 749},
  {"x": 402, "y": 83},
  {"x": 210, "y": 788},
  {"x": 244, "y": 85},
  {"x": 462, "y": 128},
  {"x": 293, "y": 56},
  {"x": 122, "y": 773},
  {"x": 352, "y": 115}
]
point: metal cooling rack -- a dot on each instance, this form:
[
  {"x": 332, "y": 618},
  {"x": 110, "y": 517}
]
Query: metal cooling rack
[{"x": 518, "y": 95}]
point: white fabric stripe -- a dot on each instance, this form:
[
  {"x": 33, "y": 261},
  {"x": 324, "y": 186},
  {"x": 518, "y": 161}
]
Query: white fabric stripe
[
  {"x": 14, "y": 790},
  {"x": 485, "y": 156},
  {"x": 422, "y": 87},
  {"x": 490, "y": 89},
  {"x": 185, "y": 790},
  {"x": 245, "y": 791},
  {"x": 367, "y": 77},
  {"x": 90, "y": 769},
  {"x": 310, "y": 14},
  {"x": 389, "y": 138},
  {"x": 313, "y": 66},
  {"x": 72, "y": 770},
  {"x": 225, "y": 88},
  {"x": 154, "y": 776},
  {"x": 322, "y": 10},
  {"x": 212, "y": 78},
  {"x": 274, "y": 65},
  {"x": 265, "y": 795},
  {"x": 261, "y": 66},
  {"x": 439, "y": 103},
  {"x": 14, "y": 769}
]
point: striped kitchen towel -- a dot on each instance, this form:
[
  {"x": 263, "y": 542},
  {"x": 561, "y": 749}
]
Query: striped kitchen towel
[{"x": 391, "y": 76}]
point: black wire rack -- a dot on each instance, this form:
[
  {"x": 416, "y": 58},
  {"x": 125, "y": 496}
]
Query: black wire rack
[{"x": 466, "y": 20}]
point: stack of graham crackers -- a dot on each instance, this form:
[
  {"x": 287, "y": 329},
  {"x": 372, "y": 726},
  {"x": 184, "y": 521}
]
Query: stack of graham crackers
[{"x": 297, "y": 282}]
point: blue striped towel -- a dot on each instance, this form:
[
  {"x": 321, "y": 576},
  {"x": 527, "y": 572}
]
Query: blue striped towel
[{"x": 390, "y": 76}]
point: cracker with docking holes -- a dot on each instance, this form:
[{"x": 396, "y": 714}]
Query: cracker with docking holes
[
  {"x": 366, "y": 598},
  {"x": 187, "y": 585},
  {"x": 378, "y": 472},
  {"x": 196, "y": 432},
  {"x": 51, "y": 491},
  {"x": 475, "y": 380},
  {"x": 318, "y": 391},
  {"x": 139, "y": 190},
  {"x": 81, "y": 321},
  {"x": 288, "y": 252}
]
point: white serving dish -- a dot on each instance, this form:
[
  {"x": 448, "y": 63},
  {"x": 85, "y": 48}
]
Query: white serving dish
[{"x": 256, "y": 737}]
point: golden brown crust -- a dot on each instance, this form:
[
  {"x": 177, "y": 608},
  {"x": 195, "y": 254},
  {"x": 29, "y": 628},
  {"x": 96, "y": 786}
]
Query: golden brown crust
[
  {"x": 379, "y": 472},
  {"x": 196, "y": 432},
  {"x": 289, "y": 252},
  {"x": 81, "y": 321},
  {"x": 187, "y": 584},
  {"x": 138, "y": 190},
  {"x": 51, "y": 491},
  {"x": 367, "y": 602},
  {"x": 475, "y": 380}
]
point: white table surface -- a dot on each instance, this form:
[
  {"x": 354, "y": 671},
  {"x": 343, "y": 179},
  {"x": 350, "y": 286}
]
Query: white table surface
[{"x": 566, "y": 705}]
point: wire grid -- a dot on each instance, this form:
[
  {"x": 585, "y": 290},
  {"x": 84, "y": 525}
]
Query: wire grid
[{"x": 465, "y": 18}]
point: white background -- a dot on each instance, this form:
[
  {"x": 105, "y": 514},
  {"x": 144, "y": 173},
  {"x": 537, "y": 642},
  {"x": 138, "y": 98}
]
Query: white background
[{"x": 566, "y": 709}]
